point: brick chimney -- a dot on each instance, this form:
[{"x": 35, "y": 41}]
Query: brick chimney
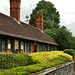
[
  {"x": 39, "y": 21},
  {"x": 15, "y": 9}
]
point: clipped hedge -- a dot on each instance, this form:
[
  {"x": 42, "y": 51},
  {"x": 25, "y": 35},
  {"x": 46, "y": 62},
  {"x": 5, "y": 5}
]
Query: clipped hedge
[
  {"x": 69, "y": 51},
  {"x": 42, "y": 57},
  {"x": 44, "y": 60},
  {"x": 21, "y": 60},
  {"x": 26, "y": 70}
]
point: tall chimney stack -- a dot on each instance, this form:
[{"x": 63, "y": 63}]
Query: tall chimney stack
[
  {"x": 15, "y": 9},
  {"x": 39, "y": 21}
]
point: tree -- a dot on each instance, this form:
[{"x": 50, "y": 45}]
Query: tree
[
  {"x": 50, "y": 15},
  {"x": 73, "y": 42},
  {"x": 51, "y": 20},
  {"x": 51, "y": 32},
  {"x": 64, "y": 38}
]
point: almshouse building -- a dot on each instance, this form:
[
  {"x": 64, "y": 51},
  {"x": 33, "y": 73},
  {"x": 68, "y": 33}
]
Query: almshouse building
[{"x": 16, "y": 36}]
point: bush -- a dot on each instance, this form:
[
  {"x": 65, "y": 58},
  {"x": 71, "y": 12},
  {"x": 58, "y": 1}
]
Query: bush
[
  {"x": 69, "y": 51},
  {"x": 44, "y": 60},
  {"x": 52, "y": 58},
  {"x": 26, "y": 70},
  {"x": 21, "y": 60},
  {"x": 42, "y": 57}
]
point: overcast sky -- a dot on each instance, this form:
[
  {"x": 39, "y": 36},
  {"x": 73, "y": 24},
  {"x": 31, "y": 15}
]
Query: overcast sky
[{"x": 66, "y": 10}]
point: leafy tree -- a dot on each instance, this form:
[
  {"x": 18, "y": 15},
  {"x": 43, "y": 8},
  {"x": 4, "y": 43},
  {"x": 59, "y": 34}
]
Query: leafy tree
[
  {"x": 73, "y": 42},
  {"x": 63, "y": 38},
  {"x": 51, "y": 20},
  {"x": 50, "y": 15},
  {"x": 51, "y": 32}
]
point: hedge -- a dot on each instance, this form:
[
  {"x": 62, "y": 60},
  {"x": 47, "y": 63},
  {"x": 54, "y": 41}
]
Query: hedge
[
  {"x": 26, "y": 70},
  {"x": 52, "y": 58},
  {"x": 69, "y": 51},
  {"x": 21, "y": 60},
  {"x": 42, "y": 57}
]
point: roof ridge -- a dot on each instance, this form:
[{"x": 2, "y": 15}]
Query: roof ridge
[{"x": 5, "y": 15}]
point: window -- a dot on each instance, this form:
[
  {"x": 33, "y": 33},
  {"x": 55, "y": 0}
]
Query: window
[
  {"x": 27, "y": 47},
  {"x": 16, "y": 44},
  {"x": 3, "y": 45},
  {"x": 53, "y": 47},
  {"x": 0, "y": 45},
  {"x": 40, "y": 48},
  {"x": 9, "y": 44},
  {"x": 46, "y": 47},
  {"x": 50, "y": 48},
  {"x": 22, "y": 46}
]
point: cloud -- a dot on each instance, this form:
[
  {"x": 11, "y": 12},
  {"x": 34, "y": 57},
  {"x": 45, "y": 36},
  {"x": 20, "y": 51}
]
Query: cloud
[{"x": 71, "y": 28}]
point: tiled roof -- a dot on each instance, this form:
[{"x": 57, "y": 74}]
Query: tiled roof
[{"x": 9, "y": 26}]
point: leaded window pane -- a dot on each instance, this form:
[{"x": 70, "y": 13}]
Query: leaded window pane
[
  {"x": 22, "y": 46},
  {"x": 40, "y": 48},
  {"x": 9, "y": 44},
  {"x": 50, "y": 48},
  {"x": 27, "y": 47},
  {"x": 3, "y": 45},
  {"x": 16, "y": 44}
]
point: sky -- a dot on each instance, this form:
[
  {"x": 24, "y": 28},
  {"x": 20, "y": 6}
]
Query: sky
[{"x": 66, "y": 10}]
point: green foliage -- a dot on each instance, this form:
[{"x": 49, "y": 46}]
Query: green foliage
[
  {"x": 52, "y": 58},
  {"x": 26, "y": 70},
  {"x": 50, "y": 15},
  {"x": 21, "y": 60},
  {"x": 51, "y": 25},
  {"x": 73, "y": 42},
  {"x": 69, "y": 51},
  {"x": 51, "y": 32},
  {"x": 63, "y": 38},
  {"x": 45, "y": 57},
  {"x": 24, "y": 58}
]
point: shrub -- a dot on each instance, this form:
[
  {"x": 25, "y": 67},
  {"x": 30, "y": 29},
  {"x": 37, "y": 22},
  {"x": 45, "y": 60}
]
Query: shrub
[
  {"x": 22, "y": 60},
  {"x": 44, "y": 60},
  {"x": 69, "y": 51},
  {"x": 26, "y": 70},
  {"x": 42, "y": 57}
]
